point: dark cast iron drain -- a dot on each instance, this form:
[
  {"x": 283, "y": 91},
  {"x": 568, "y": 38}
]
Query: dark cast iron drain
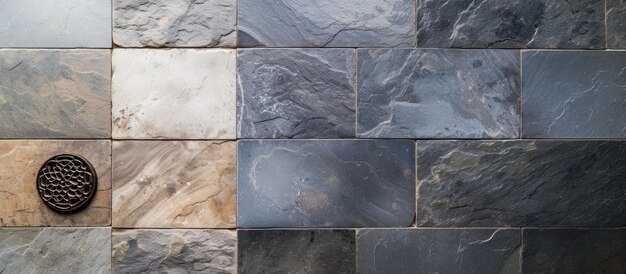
[{"x": 67, "y": 183}]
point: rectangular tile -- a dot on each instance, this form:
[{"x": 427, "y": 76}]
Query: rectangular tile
[
  {"x": 55, "y": 250},
  {"x": 616, "y": 23},
  {"x": 296, "y": 93},
  {"x": 55, "y": 93},
  {"x": 521, "y": 183},
  {"x": 438, "y": 250},
  {"x": 21, "y": 205},
  {"x": 55, "y": 24},
  {"x": 325, "y": 183},
  {"x": 438, "y": 93},
  {"x": 174, "y": 251},
  {"x": 164, "y": 184},
  {"x": 296, "y": 251},
  {"x": 511, "y": 24},
  {"x": 574, "y": 94},
  {"x": 326, "y": 23},
  {"x": 574, "y": 251}
]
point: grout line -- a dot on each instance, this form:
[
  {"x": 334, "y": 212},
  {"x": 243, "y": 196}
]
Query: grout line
[
  {"x": 521, "y": 90},
  {"x": 521, "y": 252}
]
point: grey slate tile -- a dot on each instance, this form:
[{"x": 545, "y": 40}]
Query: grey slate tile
[
  {"x": 296, "y": 93},
  {"x": 511, "y": 24},
  {"x": 438, "y": 93},
  {"x": 326, "y": 23},
  {"x": 325, "y": 183},
  {"x": 438, "y": 250},
  {"x": 574, "y": 94},
  {"x": 521, "y": 183},
  {"x": 616, "y": 23}
]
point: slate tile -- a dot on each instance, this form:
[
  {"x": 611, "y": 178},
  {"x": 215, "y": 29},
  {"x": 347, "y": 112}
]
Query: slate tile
[
  {"x": 55, "y": 93},
  {"x": 326, "y": 23},
  {"x": 616, "y": 23},
  {"x": 296, "y": 251},
  {"x": 521, "y": 183},
  {"x": 574, "y": 251},
  {"x": 438, "y": 93},
  {"x": 438, "y": 250},
  {"x": 55, "y": 24},
  {"x": 296, "y": 93},
  {"x": 511, "y": 24},
  {"x": 325, "y": 183},
  {"x": 574, "y": 94}
]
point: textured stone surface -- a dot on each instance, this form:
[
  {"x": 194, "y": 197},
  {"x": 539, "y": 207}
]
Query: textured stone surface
[
  {"x": 296, "y": 251},
  {"x": 55, "y": 93},
  {"x": 174, "y": 251},
  {"x": 574, "y": 94},
  {"x": 511, "y": 24},
  {"x": 616, "y": 23},
  {"x": 521, "y": 183},
  {"x": 174, "y": 184},
  {"x": 327, "y": 23},
  {"x": 55, "y": 250},
  {"x": 317, "y": 183},
  {"x": 177, "y": 93},
  {"x": 438, "y": 251},
  {"x": 296, "y": 93},
  {"x": 21, "y": 205},
  {"x": 438, "y": 93},
  {"x": 55, "y": 24},
  {"x": 574, "y": 251},
  {"x": 179, "y": 23}
]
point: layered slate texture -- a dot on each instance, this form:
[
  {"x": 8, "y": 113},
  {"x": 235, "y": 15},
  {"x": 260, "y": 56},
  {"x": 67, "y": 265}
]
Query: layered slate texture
[
  {"x": 521, "y": 183},
  {"x": 317, "y": 183},
  {"x": 574, "y": 94},
  {"x": 616, "y": 24},
  {"x": 511, "y": 24},
  {"x": 326, "y": 23},
  {"x": 438, "y": 93},
  {"x": 296, "y": 93}
]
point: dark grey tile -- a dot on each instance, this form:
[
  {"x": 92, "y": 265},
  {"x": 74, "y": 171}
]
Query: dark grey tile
[
  {"x": 616, "y": 23},
  {"x": 326, "y": 23},
  {"x": 521, "y": 183},
  {"x": 325, "y": 183},
  {"x": 574, "y": 94},
  {"x": 296, "y": 93},
  {"x": 438, "y": 251},
  {"x": 438, "y": 93},
  {"x": 574, "y": 251},
  {"x": 296, "y": 251},
  {"x": 511, "y": 24}
]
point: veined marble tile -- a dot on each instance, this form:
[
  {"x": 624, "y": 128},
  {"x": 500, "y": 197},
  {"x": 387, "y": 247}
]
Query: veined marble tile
[
  {"x": 55, "y": 93},
  {"x": 55, "y": 24},
  {"x": 176, "y": 93},
  {"x": 326, "y": 23},
  {"x": 438, "y": 93},
  {"x": 55, "y": 250},
  {"x": 21, "y": 205},
  {"x": 183, "y": 23},
  {"x": 521, "y": 183},
  {"x": 174, "y": 184},
  {"x": 296, "y": 93},
  {"x": 174, "y": 251},
  {"x": 325, "y": 183},
  {"x": 616, "y": 23}
]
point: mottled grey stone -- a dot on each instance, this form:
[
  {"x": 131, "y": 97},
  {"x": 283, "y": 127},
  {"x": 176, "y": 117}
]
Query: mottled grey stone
[
  {"x": 521, "y": 183},
  {"x": 327, "y": 23},
  {"x": 296, "y": 251},
  {"x": 55, "y": 250},
  {"x": 511, "y": 24},
  {"x": 174, "y": 251},
  {"x": 180, "y": 23},
  {"x": 55, "y": 93},
  {"x": 55, "y": 24},
  {"x": 574, "y": 94},
  {"x": 296, "y": 93},
  {"x": 616, "y": 23},
  {"x": 438, "y": 93},
  {"x": 325, "y": 183},
  {"x": 438, "y": 251},
  {"x": 574, "y": 251}
]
